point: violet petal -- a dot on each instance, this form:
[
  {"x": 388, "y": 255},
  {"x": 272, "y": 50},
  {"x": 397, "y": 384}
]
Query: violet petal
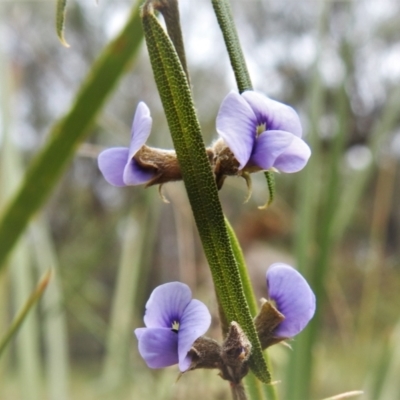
[
  {"x": 269, "y": 146},
  {"x": 276, "y": 115},
  {"x": 195, "y": 321},
  {"x": 167, "y": 304},
  {"x": 141, "y": 128},
  {"x": 293, "y": 297},
  {"x": 237, "y": 125},
  {"x": 295, "y": 157},
  {"x": 158, "y": 346},
  {"x": 112, "y": 163},
  {"x": 134, "y": 174}
]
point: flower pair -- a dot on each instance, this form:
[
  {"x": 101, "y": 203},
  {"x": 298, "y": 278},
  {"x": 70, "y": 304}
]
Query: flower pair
[
  {"x": 259, "y": 132},
  {"x": 174, "y": 321}
]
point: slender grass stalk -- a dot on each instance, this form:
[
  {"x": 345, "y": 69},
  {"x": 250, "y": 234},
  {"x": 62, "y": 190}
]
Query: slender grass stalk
[
  {"x": 24, "y": 311},
  {"x": 4, "y": 296},
  {"x": 6, "y": 98},
  {"x": 226, "y": 22},
  {"x": 300, "y": 361},
  {"x": 54, "y": 318},
  {"x": 255, "y": 389},
  {"x": 244, "y": 275},
  {"x": 27, "y": 342},
  {"x": 185, "y": 236},
  {"x": 376, "y": 250},
  {"x": 223, "y": 12},
  {"x": 48, "y": 165},
  {"x": 29, "y": 365},
  {"x": 170, "y": 11},
  {"x": 354, "y": 189},
  {"x": 119, "y": 336},
  {"x": 199, "y": 182},
  {"x": 324, "y": 231},
  {"x": 382, "y": 382}
]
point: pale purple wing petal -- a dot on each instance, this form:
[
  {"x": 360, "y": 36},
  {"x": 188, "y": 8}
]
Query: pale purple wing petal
[
  {"x": 276, "y": 115},
  {"x": 158, "y": 346},
  {"x": 295, "y": 157},
  {"x": 141, "y": 128},
  {"x": 237, "y": 125},
  {"x": 269, "y": 146},
  {"x": 195, "y": 322},
  {"x": 134, "y": 174},
  {"x": 112, "y": 163},
  {"x": 293, "y": 297},
  {"x": 167, "y": 304}
]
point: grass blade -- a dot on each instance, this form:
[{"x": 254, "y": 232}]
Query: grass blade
[
  {"x": 120, "y": 332},
  {"x": 49, "y": 164},
  {"x": 54, "y": 324},
  {"x": 23, "y": 312}
]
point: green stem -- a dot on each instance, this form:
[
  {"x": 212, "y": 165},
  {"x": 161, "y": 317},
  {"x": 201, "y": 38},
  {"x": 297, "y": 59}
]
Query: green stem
[
  {"x": 170, "y": 11},
  {"x": 23, "y": 312},
  {"x": 224, "y": 15},
  {"x": 46, "y": 168},
  {"x": 244, "y": 276},
  {"x": 226, "y": 22},
  {"x": 253, "y": 385},
  {"x": 199, "y": 181}
]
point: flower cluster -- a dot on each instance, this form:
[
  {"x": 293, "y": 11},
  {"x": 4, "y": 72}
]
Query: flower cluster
[
  {"x": 256, "y": 133},
  {"x": 175, "y": 323}
]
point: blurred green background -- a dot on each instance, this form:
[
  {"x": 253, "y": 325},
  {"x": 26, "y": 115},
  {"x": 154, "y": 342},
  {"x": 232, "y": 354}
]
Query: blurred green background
[{"x": 338, "y": 64}]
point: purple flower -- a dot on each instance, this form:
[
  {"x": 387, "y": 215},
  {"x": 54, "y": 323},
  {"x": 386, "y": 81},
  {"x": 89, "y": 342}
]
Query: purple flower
[
  {"x": 262, "y": 133},
  {"x": 293, "y": 298},
  {"x": 173, "y": 322},
  {"x": 118, "y": 165}
]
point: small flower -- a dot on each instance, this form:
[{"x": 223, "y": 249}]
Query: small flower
[
  {"x": 118, "y": 164},
  {"x": 262, "y": 133},
  {"x": 293, "y": 298},
  {"x": 173, "y": 322}
]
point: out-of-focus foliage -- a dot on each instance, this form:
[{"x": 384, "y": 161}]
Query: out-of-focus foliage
[{"x": 352, "y": 51}]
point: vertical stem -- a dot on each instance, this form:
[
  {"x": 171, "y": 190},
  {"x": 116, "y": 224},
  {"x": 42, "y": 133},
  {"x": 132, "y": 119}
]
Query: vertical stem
[
  {"x": 253, "y": 384},
  {"x": 376, "y": 250},
  {"x": 170, "y": 11},
  {"x": 247, "y": 287},
  {"x": 226, "y": 22},
  {"x": 224, "y": 15},
  {"x": 200, "y": 182},
  {"x": 54, "y": 324},
  {"x": 119, "y": 335},
  {"x": 27, "y": 341}
]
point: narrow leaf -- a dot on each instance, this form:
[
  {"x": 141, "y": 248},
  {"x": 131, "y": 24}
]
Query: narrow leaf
[
  {"x": 200, "y": 183},
  {"x": 222, "y": 9},
  {"x": 223, "y": 12},
  {"x": 49, "y": 164},
  {"x": 253, "y": 385},
  {"x": 19, "y": 319}
]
